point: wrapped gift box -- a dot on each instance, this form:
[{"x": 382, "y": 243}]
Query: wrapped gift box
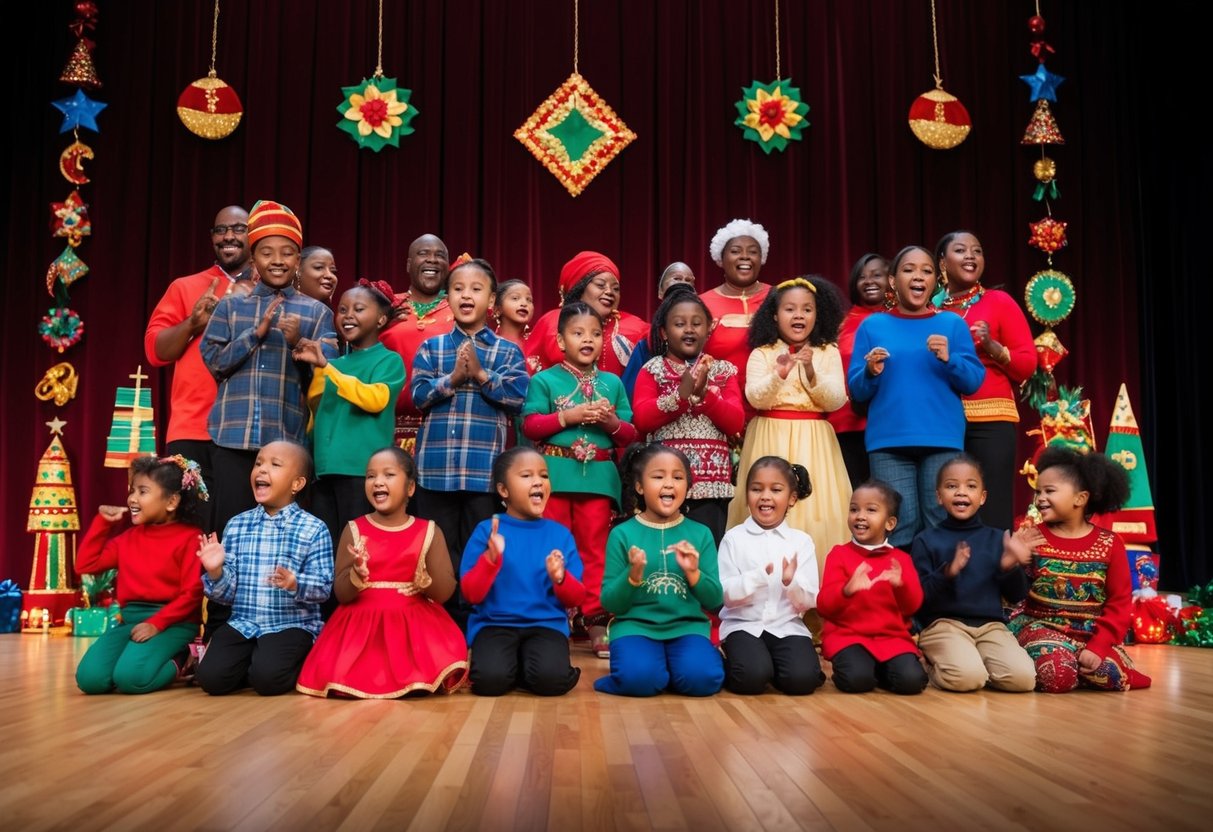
[
  {"x": 10, "y": 607},
  {"x": 92, "y": 621}
]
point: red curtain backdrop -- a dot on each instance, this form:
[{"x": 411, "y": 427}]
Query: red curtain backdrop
[{"x": 859, "y": 180}]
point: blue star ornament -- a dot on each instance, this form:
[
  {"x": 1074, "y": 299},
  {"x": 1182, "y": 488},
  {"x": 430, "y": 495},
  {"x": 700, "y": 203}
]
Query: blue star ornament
[
  {"x": 1044, "y": 84},
  {"x": 79, "y": 111}
]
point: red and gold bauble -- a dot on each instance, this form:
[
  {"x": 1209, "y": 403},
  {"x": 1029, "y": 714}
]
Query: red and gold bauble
[
  {"x": 939, "y": 120},
  {"x": 210, "y": 108}
]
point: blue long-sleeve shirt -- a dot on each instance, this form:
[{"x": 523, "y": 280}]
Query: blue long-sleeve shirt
[
  {"x": 915, "y": 402},
  {"x": 255, "y": 542},
  {"x": 975, "y": 595}
]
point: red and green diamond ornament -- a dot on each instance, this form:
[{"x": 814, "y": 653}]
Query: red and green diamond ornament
[
  {"x": 61, "y": 328},
  {"x": 376, "y": 113},
  {"x": 210, "y": 108},
  {"x": 939, "y": 120},
  {"x": 574, "y": 134},
  {"x": 1048, "y": 235},
  {"x": 771, "y": 114},
  {"x": 67, "y": 268},
  {"x": 69, "y": 219}
]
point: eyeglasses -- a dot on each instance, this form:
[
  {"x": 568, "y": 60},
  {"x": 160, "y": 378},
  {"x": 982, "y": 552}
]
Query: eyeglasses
[{"x": 237, "y": 228}]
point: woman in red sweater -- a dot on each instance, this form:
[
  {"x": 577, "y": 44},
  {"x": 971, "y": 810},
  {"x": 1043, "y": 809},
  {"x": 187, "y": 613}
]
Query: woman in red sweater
[
  {"x": 159, "y": 579},
  {"x": 1004, "y": 345}
]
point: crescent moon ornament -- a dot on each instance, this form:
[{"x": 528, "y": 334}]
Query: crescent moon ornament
[{"x": 70, "y": 164}]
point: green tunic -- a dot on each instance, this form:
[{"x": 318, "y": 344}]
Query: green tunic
[
  {"x": 665, "y": 607},
  {"x": 557, "y": 389}
]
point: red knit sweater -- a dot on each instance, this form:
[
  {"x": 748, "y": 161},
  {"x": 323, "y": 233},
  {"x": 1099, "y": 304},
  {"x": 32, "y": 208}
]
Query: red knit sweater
[
  {"x": 877, "y": 618},
  {"x": 157, "y": 564}
]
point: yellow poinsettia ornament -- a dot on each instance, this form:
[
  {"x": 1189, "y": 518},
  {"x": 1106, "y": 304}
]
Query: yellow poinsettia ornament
[{"x": 771, "y": 114}]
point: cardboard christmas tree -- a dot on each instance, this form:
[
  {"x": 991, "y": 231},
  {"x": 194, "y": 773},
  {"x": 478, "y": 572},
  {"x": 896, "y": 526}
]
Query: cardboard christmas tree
[
  {"x": 54, "y": 521},
  {"x": 133, "y": 429},
  {"x": 1135, "y": 521}
]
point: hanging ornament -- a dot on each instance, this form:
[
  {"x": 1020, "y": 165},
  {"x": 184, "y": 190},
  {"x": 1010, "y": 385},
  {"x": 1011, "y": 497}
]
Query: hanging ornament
[
  {"x": 1049, "y": 350},
  {"x": 937, "y": 118},
  {"x": 1048, "y": 235},
  {"x": 1042, "y": 128},
  {"x": 58, "y": 384},
  {"x": 69, "y": 219},
  {"x": 1049, "y": 297},
  {"x": 209, "y": 107},
  {"x": 1041, "y": 50},
  {"x": 574, "y": 133},
  {"x": 61, "y": 328},
  {"x": 70, "y": 165},
  {"x": 66, "y": 269},
  {"x": 79, "y": 69},
  {"x": 1045, "y": 171},
  {"x": 1036, "y": 24},
  {"x": 86, "y": 17},
  {"x": 1043, "y": 83},
  {"x": 375, "y": 112},
  {"x": 772, "y": 114},
  {"x": 79, "y": 111}
]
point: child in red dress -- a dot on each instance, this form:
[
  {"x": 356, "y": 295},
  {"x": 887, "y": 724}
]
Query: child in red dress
[{"x": 390, "y": 635}]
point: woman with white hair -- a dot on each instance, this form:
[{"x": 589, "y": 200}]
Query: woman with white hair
[{"x": 739, "y": 248}]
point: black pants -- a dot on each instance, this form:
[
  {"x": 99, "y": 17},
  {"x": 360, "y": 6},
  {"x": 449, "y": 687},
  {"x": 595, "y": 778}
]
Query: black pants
[
  {"x": 531, "y": 658},
  {"x": 457, "y": 514},
  {"x": 337, "y": 500},
  {"x": 993, "y": 445},
  {"x": 270, "y": 663},
  {"x": 855, "y": 457},
  {"x": 202, "y": 452},
  {"x": 713, "y": 513},
  {"x": 233, "y": 492},
  {"x": 857, "y": 671},
  {"x": 753, "y": 662}
]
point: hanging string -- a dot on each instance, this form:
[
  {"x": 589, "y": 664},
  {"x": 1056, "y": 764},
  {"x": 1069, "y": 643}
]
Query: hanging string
[
  {"x": 576, "y": 34},
  {"x": 379, "y": 53},
  {"x": 214, "y": 40},
  {"x": 777, "y": 75},
  {"x": 1038, "y": 8},
  {"x": 935, "y": 42}
]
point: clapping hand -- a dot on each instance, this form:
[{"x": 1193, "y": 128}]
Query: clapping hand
[
  {"x": 282, "y": 578},
  {"x": 1015, "y": 551},
  {"x": 687, "y": 557},
  {"x": 267, "y": 318},
  {"x": 360, "y": 565},
  {"x": 636, "y": 563},
  {"x": 789, "y": 570},
  {"x": 289, "y": 325},
  {"x": 212, "y": 555},
  {"x": 555, "y": 566},
  {"x": 892, "y": 574},
  {"x": 938, "y": 344},
  {"x": 959, "y": 560},
  {"x": 310, "y": 352},
  {"x": 860, "y": 580},
  {"x": 875, "y": 360}
]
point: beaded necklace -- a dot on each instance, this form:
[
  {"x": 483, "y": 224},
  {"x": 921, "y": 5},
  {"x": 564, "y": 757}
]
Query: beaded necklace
[
  {"x": 421, "y": 309},
  {"x": 961, "y": 303}
]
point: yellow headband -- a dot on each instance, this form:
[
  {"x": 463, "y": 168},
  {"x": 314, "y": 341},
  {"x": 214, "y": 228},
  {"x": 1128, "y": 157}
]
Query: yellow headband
[{"x": 796, "y": 281}]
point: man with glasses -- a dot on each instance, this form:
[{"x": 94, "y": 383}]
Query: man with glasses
[{"x": 172, "y": 337}]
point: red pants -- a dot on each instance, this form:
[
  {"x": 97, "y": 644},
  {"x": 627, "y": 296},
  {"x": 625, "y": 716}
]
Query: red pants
[{"x": 588, "y": 516}]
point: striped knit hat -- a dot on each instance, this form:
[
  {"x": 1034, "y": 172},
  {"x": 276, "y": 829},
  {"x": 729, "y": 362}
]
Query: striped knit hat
[{"x": 273, "y": 219}]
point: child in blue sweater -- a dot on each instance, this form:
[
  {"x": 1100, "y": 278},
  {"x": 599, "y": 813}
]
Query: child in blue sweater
[
  {"x": 967, "y": 569},
  {"x": 519, "y": 629},
  {"x": 912, "y": 366}
]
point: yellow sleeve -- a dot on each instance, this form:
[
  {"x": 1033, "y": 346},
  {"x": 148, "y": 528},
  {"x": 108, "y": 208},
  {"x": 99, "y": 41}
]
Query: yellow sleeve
[
  {"x": 762, "y": 382},
  {"x": 372, "y": 398},
  {"x": 314, "y": 391}
]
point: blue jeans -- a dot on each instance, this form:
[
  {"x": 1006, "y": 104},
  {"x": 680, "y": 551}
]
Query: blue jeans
[
  {"x": 642, "y": 666},
  {"x": 912, "y": 473}
]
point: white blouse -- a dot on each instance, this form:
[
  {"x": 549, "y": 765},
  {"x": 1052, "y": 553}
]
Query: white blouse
[{"x": 755, "y": 602}]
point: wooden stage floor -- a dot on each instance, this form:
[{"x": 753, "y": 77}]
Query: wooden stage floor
[{"x": 179, "y": 759}]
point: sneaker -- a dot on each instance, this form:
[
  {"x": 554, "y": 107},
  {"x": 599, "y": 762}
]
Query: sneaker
[{"x": 600, "y": 643}]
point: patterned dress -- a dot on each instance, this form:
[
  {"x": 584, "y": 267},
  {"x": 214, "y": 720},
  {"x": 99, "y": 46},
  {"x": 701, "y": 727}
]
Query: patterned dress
[{"x": 1079, "y": 598}]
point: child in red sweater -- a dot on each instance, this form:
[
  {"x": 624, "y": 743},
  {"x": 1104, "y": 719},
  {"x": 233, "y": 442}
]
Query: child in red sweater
[
  {"x": 868, "y": 593},
  {"x": 159, "y": 581}
]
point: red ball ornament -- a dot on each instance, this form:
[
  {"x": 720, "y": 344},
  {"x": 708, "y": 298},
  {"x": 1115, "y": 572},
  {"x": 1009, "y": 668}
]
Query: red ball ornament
[
  {"x": 939, "y": 120},
  {"x": 209, "y": 108},
  {"x": 1036, "y": 24}
]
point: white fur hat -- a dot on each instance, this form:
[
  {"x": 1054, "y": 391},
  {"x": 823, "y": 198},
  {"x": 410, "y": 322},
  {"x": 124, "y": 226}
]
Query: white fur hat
[{"x": 733, "y": 230}]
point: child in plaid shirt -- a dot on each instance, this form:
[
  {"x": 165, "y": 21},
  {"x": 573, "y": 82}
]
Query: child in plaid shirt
[
  {"x": 274, "y": 567},
  {"x": 469, "y": 385}
]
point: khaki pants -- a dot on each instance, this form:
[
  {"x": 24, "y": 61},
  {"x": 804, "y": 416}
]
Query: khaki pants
[{"x": 964, "y": 658}]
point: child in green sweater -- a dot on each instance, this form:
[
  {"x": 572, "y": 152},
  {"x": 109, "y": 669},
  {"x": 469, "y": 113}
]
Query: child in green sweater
[
  {"x": 351, "y": 399},
  {"x": 660, "y": 575}
]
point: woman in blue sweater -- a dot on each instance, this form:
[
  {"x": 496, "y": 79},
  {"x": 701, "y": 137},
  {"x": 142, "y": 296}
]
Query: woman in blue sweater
[{"x": 912, "y": 366}]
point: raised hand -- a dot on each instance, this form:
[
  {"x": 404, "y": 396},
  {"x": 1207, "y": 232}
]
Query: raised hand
[
  {"x": 784, "y": 364},
  {"x": 282, "y": 578},
  {"x": 892, "y": 574},
  {"x": 475, "y": 372},
  {"x": 460, "y": 373},
  {"x": 555, "y": 566},
  {"x": 288, "y": 325},
  {"x": 702, "y": 366},
  {"x": 981, "y": 334},
  {"x": 267, "y": 318},
  {"x": 687, "y": 557},
  {"x": 938, "y": 344},
  {"x": 804, "y": 357},
  {"x": 310, "y": 352},
  {"x": 1031, "y": 536},
  {"x": 142, "y": 631},
  {"x": 200, "y": 315},
  {"x": 361, "y": 559},
  {"x": 496, "y": 546},
  {"x": 636, "y": 563},
  {"x": 1015, "y": 551},
  {"x": 860, "y": 580},
  {"x": 875, "y": 360},
  {"x": 959, "y": 560},
  {"x": 212, "y": 555},
  {"x": 111, "y": 514},
  {"x": 789, "y": 569}
]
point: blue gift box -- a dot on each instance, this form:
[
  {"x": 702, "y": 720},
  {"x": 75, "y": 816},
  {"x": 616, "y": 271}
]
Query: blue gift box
[{"x": 10, "y": 607}]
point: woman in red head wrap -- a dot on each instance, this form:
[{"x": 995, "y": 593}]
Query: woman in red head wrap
[{"x": 593, "y": 278}]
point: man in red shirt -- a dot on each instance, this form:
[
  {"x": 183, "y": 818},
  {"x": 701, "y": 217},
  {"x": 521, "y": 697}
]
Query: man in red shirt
[
  {"x": 172, "y": 338},
  {"x": 422, "y": 312}
]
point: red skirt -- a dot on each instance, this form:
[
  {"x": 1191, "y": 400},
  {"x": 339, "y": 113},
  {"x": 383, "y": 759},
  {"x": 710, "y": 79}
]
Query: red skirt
[{"x": 384, "y": 645}]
